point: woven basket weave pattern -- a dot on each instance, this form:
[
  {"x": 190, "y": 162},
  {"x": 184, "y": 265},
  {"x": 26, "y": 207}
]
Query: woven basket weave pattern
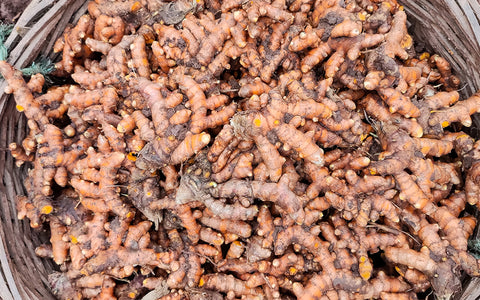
[{"x": 448, "y": 27}]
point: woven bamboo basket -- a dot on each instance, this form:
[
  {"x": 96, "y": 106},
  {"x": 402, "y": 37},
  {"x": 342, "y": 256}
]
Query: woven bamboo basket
[{"x": 450, "y": 28}]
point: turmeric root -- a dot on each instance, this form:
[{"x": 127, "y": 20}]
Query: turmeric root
[
  {"x": 139, "y": 56},
  {"x": 397, "y": 40},
  {"x": 226, "y": 283},
  {"x": 278, "y": 194},
  {"x": 23, "y": 96},
  {"x": 459, "y": 112},
  {"x": 59, "y": 246},
  {"x": 423, "y": 263},
  {"x": 280, "y": 149}
]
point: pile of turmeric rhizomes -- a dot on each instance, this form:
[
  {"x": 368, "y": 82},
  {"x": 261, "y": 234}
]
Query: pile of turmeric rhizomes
[{"x": 249, "y": 150}]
